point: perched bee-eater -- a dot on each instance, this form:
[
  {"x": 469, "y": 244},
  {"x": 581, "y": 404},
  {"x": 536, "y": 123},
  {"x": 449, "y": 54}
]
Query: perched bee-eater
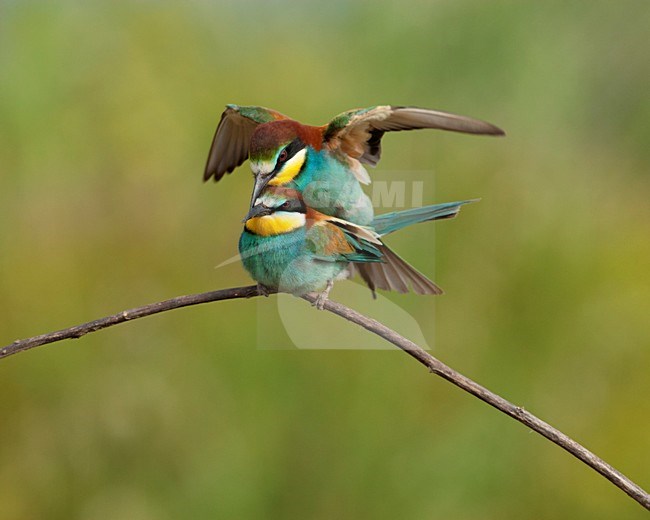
[
  {"x": 325, "y": 163},
  {"x": 290, "y": 247}
]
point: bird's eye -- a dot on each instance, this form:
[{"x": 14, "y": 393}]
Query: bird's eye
[
  {"x": 285, "y": 205},
  {"x": 283, "y": 156}
]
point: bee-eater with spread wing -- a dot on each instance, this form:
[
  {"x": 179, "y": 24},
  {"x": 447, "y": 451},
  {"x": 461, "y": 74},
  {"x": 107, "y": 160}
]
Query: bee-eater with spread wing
[{"x": 324, "y": 163}]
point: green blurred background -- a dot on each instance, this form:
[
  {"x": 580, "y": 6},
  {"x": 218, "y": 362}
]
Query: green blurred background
[{"x": 106, "y": 114}]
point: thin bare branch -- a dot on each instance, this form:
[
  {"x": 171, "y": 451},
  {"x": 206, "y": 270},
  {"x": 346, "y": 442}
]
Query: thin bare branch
[
  {"x": 516, "y": 412},
  {"x": 132, "y": 314},
  {"x": 434, "y": 365}
]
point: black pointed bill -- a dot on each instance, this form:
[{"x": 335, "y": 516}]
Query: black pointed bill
[{"x": 257, "y": 211}]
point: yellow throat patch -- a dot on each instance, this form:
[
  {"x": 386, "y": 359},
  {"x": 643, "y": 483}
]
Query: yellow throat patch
[
  {"x": 275, "y": 224},
  {"x": 290, "y": 169}
]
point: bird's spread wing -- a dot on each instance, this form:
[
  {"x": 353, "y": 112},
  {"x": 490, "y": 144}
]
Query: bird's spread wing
[
  {"x": 358, "y": 132},
  {"x": 232, "y": 139}
]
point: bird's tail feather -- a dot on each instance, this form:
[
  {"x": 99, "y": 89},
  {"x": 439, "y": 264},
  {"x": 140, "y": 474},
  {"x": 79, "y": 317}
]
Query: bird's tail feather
[
  {"x": 395, "y": 274},
  {"x": 396, "y": 220}
]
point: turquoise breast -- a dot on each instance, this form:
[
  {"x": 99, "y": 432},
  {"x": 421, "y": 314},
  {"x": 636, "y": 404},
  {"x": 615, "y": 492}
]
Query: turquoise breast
[
  {"x": 329, "y": 186},
  {"x": 284, "y": 262}
]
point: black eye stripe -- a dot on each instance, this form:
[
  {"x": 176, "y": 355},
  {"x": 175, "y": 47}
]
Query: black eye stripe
[
  {"x": 293, "y": 205},
  {"x": 292, "y": 149}
]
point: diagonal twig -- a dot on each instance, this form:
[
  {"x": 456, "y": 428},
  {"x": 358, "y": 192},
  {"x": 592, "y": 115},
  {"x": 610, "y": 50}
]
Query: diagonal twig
[
  {"x": 140, "y": 312},
  {"x": 516, "y": 412},
  {"x": 434, "y": 365}
]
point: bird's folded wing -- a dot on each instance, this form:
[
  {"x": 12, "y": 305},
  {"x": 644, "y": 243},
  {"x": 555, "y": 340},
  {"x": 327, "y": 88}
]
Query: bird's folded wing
[
  {"x": 333, "y": 239},
  {"x": 336, "y": 240},
  {"x": 232, "y": 139}
]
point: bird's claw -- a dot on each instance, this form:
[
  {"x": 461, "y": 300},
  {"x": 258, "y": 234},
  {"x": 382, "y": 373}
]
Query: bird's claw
[
  {"x": 320, "y": 300},
  {"x": 321, "y": 297},
  {"x": 263, "y": 290}
]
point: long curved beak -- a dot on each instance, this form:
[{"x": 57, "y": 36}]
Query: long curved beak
[
  {"x": 260, "y": 184},
  {"x": 257, "y": 211}
]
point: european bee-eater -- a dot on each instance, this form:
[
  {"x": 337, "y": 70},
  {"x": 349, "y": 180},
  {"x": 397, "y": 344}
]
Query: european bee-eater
[
  {"x": 288, "y": 246},
  {"x": 324, "y": 163}
]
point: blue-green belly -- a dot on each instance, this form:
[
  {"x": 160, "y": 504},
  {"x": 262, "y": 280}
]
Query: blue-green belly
[{"x": 284, "y": 263}]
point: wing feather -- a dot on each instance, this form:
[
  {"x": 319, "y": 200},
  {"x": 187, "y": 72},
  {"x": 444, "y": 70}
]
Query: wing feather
[
  {"x": 231, "y": 140},
  {"x": 361, "y": 232},
  {"x": 358, "y": 132},
  {"x": 395, "y": 274},
  {"x": 331, "y": 242},
  {"x": 339, "y": 240}
]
